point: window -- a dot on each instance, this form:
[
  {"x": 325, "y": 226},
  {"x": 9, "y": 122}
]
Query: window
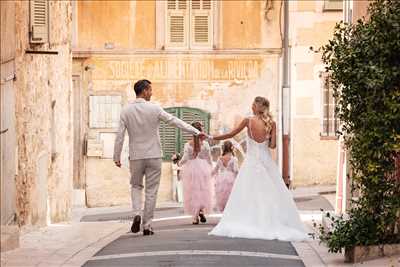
[
  {"x": 39, "y": 21},
  {"x": 333, "y": 5},
  {"x": 189, "y": 24},
  {"x": 329, "y": 120},
  {"x": 104, "y": 111},
  {"x": 172, "y": 138}
]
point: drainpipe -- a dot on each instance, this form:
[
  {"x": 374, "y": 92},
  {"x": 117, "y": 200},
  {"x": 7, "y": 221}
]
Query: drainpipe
[
  {"x": 286, "y": 98},
  {"x": 343, "y": 190}
]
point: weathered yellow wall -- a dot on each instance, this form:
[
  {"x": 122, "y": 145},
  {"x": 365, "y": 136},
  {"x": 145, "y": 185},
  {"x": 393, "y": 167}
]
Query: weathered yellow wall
[
  {"x": 132, "y": 24},
  {"x": 100, "y": 22},
  {"x": 200, "y": 81},
  {"x": 220, "y": 83},
  {"x": 108, "y": 185},
  {"x": 241, "y": 24},
  {"x": 244, "y": 25},
  {"x": 314, "y": 160},
  {"x": 223, "y": 85},
  {"x": 145, "y": 33},
  {"x": 44, "y": 180}
]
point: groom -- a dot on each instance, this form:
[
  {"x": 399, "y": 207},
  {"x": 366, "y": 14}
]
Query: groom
[{"x": 142, "y": 120}]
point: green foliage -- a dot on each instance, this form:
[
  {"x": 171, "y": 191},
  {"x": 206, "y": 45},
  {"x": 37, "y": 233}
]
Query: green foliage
[{"x": 364, "y": 62}]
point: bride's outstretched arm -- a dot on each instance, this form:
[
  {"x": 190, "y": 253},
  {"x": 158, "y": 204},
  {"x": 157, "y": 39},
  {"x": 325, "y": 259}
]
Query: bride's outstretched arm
[{"x": 234, "y": 132}]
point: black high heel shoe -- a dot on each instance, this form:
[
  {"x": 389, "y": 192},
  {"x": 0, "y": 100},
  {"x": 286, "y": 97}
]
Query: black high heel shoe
[
  {"x": 196, "y": 221},
  {"x": 202, "y": 217},
  {"x": 148, "y": 231}
]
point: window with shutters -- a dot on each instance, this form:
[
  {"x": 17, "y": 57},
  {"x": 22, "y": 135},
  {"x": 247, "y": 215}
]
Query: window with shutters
[
  {"x": 189, "y": 24},
  {"x": 174, "y": 139},
  {"x": 39, "y": 21},
  {"x": 169, "y": 135},
  {"x": 329, "y": 120}
]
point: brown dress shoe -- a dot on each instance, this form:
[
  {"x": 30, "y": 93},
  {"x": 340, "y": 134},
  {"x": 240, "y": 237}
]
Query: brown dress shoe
[{"x": 136, "y": 224}]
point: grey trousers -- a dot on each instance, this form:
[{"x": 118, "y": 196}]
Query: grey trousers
[{"x": 151, "y": 169}]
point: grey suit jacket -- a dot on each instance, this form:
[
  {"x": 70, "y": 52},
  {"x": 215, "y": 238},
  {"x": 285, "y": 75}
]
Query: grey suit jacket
[{"x": 142, "y": 120}]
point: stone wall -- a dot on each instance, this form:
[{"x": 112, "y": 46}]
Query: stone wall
[
  {"x": 43, "y": 112},
  {"x": 314, "y": 158}
]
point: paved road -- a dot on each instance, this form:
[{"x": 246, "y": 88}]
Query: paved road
[
  {"x": 179, "y": 243},
  {"x": 310, "y": 203}
]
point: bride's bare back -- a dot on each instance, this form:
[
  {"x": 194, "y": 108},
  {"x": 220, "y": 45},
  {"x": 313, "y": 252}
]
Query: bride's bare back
[{"x": 256, "y": 130}]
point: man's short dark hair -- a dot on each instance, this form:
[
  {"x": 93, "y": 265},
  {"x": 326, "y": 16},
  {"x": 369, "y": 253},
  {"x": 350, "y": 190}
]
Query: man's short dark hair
[{"x": 140, "y": 86}]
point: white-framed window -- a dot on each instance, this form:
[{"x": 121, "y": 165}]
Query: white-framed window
[
  {"x": 330, "y": 123},
  {"x": 104, "y": 111},
  {"x": 189, "y": 24}
]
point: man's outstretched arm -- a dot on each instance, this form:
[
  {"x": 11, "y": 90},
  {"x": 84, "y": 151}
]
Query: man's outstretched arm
[{"x": 172, "y": 120}]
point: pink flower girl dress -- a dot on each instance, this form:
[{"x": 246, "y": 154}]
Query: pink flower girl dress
[
  {"x": 225, "y": 175},
  {"x": 196, "y": 177}
]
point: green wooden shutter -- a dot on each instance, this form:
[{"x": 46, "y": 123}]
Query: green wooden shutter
[
  {"x": 169, "y": 136},
  {"x": 190, "y": 115},
  {"x": 172, "y": 138}
]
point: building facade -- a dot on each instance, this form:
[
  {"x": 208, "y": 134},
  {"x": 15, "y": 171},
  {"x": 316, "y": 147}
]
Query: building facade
[
  {"x": 36, "y": 112},
  {"x": 313, "y": 123},
  {"x": 207, "y": 61}
]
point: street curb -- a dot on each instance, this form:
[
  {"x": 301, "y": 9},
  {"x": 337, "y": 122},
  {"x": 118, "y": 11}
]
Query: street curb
[
  {"x": 327, "y": 192},
  {"x": 88, "y": 252},
  {"x": 308, "y": 254}
]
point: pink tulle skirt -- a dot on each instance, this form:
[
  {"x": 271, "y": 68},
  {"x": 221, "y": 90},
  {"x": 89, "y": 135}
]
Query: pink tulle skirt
[
  {"x": 223, "y": 186},
  {"x": 197, "y": 190}
]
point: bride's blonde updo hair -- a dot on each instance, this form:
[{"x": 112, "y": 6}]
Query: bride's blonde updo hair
[{"x": 261, "y": 105}]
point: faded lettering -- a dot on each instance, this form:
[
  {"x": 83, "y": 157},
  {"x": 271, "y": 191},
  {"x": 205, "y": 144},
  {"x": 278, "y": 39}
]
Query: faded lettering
[{"x": 178, "y": 69}]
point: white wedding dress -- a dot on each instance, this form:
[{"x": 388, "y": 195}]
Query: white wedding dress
[{"x": 260, "y": 206}]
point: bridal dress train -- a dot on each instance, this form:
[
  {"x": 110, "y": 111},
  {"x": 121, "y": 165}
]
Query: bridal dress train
[{"x": 260, "y": 206}]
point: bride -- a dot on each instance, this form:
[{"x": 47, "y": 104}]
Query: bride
[{"x": 260, "y": 206}]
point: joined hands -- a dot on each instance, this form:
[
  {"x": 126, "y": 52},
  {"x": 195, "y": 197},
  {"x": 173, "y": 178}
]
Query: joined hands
[{"x": 202, "y": 134}]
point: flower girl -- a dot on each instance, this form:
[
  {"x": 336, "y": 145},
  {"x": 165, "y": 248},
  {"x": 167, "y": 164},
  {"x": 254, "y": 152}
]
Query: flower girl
[
  {"x": 196, "y": 176},
  {"x": 225, "y": 173}
]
